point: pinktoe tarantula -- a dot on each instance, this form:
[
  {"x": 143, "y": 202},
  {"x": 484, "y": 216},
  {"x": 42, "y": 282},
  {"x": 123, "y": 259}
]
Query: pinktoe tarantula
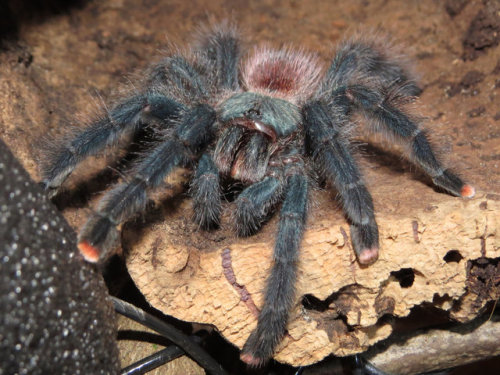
[{"x": 267, "y": 122}]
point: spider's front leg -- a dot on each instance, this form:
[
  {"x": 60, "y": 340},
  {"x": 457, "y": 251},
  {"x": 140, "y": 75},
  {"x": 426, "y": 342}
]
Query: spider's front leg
[
  {"x": 124, "y": 118},
  {"x": 280, "y": 289},
  {"x": 331, "y": 153},
  {"x": 255, "y": 202},
  {"x": 205, "y": 190},
  {"x": 194, "y": 131}
]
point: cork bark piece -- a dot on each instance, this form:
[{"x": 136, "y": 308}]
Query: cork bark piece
[{"x": 217, "y": 278}]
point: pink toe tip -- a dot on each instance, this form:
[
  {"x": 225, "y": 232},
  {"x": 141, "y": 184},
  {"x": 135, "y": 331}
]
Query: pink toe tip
[
  {"x": 468, "y": 191},
  {"x": 368, "y": 256},
  {"x": 89, "y": 252},
  {"x": 250, "y": 360}
]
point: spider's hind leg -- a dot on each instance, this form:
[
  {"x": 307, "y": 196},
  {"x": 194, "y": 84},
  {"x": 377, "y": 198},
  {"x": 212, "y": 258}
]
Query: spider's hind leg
[
  {"x": 387, "y": 81},
  {"x": 127, "y": 116},
  {"x": 373, "y": 58},
  {"x": 220, "y": 45},
  {"x": 387, "y": 111}
]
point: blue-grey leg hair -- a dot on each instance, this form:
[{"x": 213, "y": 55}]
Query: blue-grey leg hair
[
  {"x": 335, "y": 162},
  {"x": 184, "y": 78},
  {"x": 194, "y": 131},
  {"x": 124, "y": 118},
  {"x": 367, "y": 59},
  {"x": 221, "y": 46},
  {"x": 205, "y": 190},
  {"x": 254, "y": 203},
  {"x": 280, "y": 289},
  {"x": 386, "y": 111}
]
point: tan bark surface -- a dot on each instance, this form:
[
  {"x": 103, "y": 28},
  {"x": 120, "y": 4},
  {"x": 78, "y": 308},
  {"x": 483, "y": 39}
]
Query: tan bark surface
[
  {"x": 62, "y": 64},
  {"x": 183, "y": 275}
]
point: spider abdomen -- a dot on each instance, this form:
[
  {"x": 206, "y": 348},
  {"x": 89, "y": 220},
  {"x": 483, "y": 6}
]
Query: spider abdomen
[{"x": 288, "y": 74}]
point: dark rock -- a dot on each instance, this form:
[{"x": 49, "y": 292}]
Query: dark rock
[
  {"x": 483, "y": 32},
  {"x": 56, "y": 317},
  {"x": 455, "y": 7}
]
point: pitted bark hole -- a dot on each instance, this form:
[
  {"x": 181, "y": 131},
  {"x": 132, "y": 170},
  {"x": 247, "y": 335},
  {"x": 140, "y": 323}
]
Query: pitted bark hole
[
  {"x": 405, "y": 276},
  {"x": 453, "y": 256}
]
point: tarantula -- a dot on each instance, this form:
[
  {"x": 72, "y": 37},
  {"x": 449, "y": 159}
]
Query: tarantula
[{"x": 266, "y": 121}]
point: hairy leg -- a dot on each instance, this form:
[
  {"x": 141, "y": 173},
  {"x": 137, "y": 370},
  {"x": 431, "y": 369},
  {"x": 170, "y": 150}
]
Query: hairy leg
[
  {"x": 125, "y": 117},
  {"x": 393, "y": 119},
  {"x": 182, "y": 78},
  {"x": 330, "y": 151},
  {"x": 280, "y": 290},
  {"x": 253, "y": 204},
  {"x": 226, "y": 148},
  {"x": 98, "y": 236},
  {"x": 370, "y": 58},
  {"x": 220, "y": 45},
  {"x": 205, "y": 190}
]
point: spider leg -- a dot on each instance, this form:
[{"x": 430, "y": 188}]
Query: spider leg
[
  {"x": 181, "y": 77},
  {"x": 280, "y": 290},
  {"x": 99, "y": 235},
  {"x": 254, "y": 203},
  {"x": 127, "y": 116},
  {"x": 220, "y": 45},
  {"x": 395, "y": 120},
  {"x": 205, "y": 190},
  {"x": 250, "y": 164},
  {"x": 226, "y": 148},
  {"x": 330, "y": 151},
  {"x": 370, "y": 58}
]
